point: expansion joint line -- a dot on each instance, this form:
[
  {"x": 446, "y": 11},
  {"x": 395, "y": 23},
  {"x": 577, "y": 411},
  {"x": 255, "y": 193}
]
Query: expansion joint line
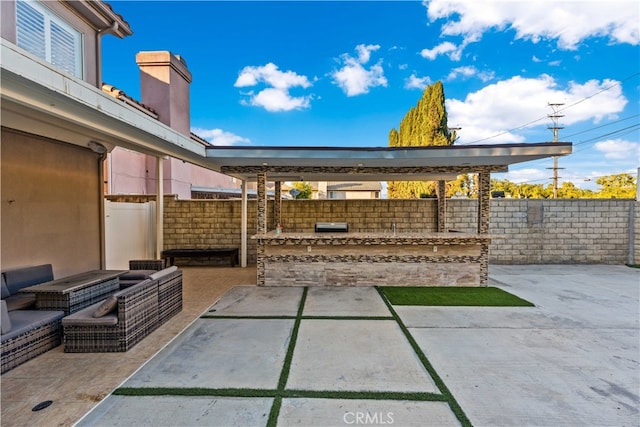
[
  {"x": 453, "y": 404},
  {"x": 284, "y": 375}
]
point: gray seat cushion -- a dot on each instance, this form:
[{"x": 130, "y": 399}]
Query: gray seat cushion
[
  {"x": 23, "y": 321},
  {"x": 85, "y": 317},
  {"x": 19, "y": 278}
]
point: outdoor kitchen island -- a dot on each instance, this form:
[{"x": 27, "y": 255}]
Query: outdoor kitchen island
[{"x": 372, "y": 259}]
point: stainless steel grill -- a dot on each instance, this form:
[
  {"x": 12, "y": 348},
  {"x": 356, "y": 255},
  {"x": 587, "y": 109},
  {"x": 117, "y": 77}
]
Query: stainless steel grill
[{"x": 331, "y": 227}]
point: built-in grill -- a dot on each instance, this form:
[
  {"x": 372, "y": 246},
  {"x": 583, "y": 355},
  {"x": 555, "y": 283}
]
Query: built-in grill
[{"x": 332, "y": 227}]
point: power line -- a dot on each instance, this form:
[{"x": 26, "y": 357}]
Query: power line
[
  {"x": 617, "y": 83},
  {"x": 601, "y": 126}
]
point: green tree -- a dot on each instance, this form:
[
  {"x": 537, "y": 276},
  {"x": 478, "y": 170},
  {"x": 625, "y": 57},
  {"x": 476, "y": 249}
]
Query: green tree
[
  {"x": 466, "y": 185},
  {"x": 304, "y": 188},
  {"x": 423, "y": 125},
  {"x": 620, "y": 186}
]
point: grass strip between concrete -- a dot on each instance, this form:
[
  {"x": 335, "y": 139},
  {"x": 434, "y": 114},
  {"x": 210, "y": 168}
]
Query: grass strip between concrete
[
  {"x": 286, "y": 367},
  {"x": 251, "y": 392},
  {"x": 453, "y": 404},
  {"x": 211, "y": 316}
]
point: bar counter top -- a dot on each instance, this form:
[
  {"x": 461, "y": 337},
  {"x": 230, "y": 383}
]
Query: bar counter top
[{"x": 397, "y": 237}]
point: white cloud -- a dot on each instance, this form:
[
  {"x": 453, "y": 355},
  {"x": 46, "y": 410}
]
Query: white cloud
[
  {"x": 568, "y": 22},
  {"x": 276, "y": 97},
  {"x": 505, "y": 107},
  {"x": 529, "y": 175},
  {"x": 470, "y": 71},
  {"x": 444, "y": 48},
  {"x": 220, "y": 137},
  {"x": 618, "y": 149},
  {"x": 415, "y": 82},
  {"x": 353, "y": 78},
  {"x": 536, "y": 59}
]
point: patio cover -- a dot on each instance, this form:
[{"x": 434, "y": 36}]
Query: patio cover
[{"x": 38, "y": 98}]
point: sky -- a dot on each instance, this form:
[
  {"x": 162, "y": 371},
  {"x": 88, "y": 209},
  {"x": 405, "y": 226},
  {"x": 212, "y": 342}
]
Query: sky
[{"x": 323, "y": 73}]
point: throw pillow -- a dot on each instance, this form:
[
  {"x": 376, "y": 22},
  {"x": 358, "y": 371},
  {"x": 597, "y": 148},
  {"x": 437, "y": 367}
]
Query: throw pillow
[
  {"x": 5, "y": 320},
  {"x": 5, "y": 290},
  {"x": 106, "y": 307}
]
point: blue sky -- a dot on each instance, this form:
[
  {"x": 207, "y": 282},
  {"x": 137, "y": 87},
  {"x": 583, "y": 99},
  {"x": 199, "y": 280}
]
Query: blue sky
[{"x": 345, "y": 73}]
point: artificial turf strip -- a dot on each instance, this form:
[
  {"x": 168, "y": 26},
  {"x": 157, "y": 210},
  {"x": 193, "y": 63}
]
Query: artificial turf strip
[
  {"x": 250, "y": 392},
  {"x": 284, "y": 374},
  {"x": 365, "y": 395},
  {"x": 453, "y": 296},
  {"x": 453, "y": 404},
  {"x": 174, "y": 391},
  {"x": 211, "y": 316}
]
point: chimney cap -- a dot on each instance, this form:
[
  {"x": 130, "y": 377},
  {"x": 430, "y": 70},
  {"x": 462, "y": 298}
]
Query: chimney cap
[{"x": 164, "y": 58}]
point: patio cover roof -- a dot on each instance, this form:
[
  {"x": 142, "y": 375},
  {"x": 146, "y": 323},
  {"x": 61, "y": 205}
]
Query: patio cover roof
[
  {"x": 37, "y": 98},
  {"x": 376, "y": 164}
]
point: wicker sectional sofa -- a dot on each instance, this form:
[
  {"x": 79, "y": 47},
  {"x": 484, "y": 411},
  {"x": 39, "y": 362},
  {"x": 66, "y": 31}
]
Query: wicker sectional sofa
[
  {"x": 25, "y": 331},
  {"x": 137, "y": 311}
]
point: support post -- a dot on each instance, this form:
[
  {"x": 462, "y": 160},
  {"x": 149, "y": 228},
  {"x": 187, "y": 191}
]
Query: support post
[
  {"x": 159, "y": 206},
  {"x": 442, "y": 206},
  {"x": 484, "y": 187},
  {"x": 262, "y": 203},
  {"x": 277, "y": 204},
  {"x": 243, "y": 226}
]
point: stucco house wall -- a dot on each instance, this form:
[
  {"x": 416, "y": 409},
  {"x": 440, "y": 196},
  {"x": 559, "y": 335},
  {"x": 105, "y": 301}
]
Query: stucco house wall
[{"x": 50, "y": 204}]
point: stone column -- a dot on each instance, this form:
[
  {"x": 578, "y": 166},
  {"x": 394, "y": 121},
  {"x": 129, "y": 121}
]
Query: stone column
[
  {"x": 442, "y": 206},
  {"x": 262, "y": 203},
  {"x": 277, "y": 204},
  {"x": 484, "y": 187}
]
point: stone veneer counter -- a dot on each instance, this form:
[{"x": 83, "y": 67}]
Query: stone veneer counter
[{"x": 372, "y": 259}]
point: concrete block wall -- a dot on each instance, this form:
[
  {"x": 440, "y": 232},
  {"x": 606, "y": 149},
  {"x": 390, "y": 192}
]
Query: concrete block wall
[
  {"x": 635, "y": 256},
  {"x": 525, "y": 231},
  {"x": 361, "y": 215},
  {"x": 562, "y": 231}
]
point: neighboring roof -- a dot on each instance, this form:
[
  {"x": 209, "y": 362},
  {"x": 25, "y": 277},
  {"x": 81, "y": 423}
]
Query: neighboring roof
[
  {"x": 354, "y": 186},
  {"x": 121, "y": 95}
]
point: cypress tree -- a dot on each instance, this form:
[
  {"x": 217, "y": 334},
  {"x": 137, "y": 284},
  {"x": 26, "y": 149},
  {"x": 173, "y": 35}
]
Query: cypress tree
[{"x": 423, "y": 125}]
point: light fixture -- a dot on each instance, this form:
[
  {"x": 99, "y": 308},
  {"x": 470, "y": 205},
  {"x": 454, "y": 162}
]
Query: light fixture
[{"x": 96, "y": 147}]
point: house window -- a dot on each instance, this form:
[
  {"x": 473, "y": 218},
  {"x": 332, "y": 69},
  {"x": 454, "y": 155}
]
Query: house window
[{"x": 45, "y": 35}]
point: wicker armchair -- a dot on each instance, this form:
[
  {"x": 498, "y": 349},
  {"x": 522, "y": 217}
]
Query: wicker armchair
[
  {"x": 140, "y": 309},
  {"x": 135, "y": 317}
]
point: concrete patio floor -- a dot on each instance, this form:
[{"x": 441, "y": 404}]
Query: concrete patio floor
[
  {"x": 342, "y": 356},
  {"x": 75, "y": 382}
]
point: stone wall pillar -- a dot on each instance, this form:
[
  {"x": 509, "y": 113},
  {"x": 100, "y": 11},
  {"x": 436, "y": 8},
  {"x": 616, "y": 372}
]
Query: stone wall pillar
[
  {"x": 262, "y": 203},
  {"x": 484, "y": 187},
  {"x": 277, "y": 204},
  {"x": 442, "y": 206}
]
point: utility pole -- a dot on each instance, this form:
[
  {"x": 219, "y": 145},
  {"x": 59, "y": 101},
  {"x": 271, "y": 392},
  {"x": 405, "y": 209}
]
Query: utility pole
[{"x": 555, "y": 117}]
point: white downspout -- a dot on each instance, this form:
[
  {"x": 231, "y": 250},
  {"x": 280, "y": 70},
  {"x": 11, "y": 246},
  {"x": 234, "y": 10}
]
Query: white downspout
[
  {"x": 108, "y": 30},
  {"x": 159, "y": 206}
]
